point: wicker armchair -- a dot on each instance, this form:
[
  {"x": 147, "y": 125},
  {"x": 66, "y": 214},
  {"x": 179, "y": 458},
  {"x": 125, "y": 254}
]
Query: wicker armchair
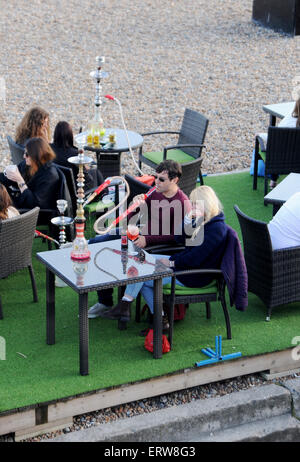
[
  {"x": 16, "y": 239},
  {"x": 16, "y": 151},
  {"x": 215, "y": 291},
  {"x": 189, "y": 145},
  {"x": 273, "y": 275},
  {"x": 190, "y": 172},
  {"x": 281, "y": 155}
]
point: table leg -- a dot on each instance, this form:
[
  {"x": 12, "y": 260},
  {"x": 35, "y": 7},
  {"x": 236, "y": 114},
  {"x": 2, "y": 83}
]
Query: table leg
[
  {"x": 50, "y": 307},
  {"x": 157, "y": 319},
  {"x": 83, "y": 334},
  {"x": 272, "y": 120}
]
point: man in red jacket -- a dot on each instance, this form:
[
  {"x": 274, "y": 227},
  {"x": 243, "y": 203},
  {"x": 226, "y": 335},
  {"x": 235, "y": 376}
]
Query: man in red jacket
[{"x": 163, "y": 212}]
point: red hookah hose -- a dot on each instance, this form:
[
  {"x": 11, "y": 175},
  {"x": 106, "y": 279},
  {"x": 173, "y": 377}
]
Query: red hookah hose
[
  {"x": 39, "y": 234},
  {"x": 132, "y": 208},
  {"x": 97, "y": 191}
]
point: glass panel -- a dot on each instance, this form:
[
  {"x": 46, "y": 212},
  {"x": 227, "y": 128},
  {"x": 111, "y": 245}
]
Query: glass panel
[{"x": 107, "y": 264}]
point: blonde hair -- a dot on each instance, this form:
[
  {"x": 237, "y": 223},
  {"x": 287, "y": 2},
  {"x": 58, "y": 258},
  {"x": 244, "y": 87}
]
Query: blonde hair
[{"x": 211, "y": 204}]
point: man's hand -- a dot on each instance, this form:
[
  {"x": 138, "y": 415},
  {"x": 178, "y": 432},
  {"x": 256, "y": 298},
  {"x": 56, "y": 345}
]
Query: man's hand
[
  {"x": 140, "y": 242},
  {"x": 139, "y": 199}
]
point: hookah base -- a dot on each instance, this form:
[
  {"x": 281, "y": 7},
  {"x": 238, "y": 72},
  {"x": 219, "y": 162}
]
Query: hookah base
[{"x": 80, "y": 257}]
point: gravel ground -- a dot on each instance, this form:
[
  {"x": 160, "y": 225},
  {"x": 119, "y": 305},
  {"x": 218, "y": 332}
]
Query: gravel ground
[{"x": 161, "y": 56}]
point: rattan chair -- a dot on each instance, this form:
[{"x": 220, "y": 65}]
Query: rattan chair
[
  {"x": 273, "y": 275},
  {"x": 16, "y": 151},
  {"x": 16, "y": 239},
  {"x": 190, "y": 172},
  {"x": 281, "y": 155},
  {"x": 173, "y": 294},
  {"x": 189, "y": 144},
  {"x": 45, "y": 215}
]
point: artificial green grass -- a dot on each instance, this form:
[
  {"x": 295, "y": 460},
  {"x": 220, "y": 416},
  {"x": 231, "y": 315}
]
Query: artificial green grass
[{"x": 34, "y": 372}]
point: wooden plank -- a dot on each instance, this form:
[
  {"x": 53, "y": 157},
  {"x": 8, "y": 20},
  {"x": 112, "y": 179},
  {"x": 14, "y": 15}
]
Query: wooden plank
[
  {"x": 167, "y": 384},
  {"x": 18, "y": 420},
  {"x": 64, "y": 410},
  {"x": 44, "y": 428}
]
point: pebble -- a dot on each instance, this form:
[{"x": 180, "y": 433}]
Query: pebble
[{"x": 161, "y": 56}]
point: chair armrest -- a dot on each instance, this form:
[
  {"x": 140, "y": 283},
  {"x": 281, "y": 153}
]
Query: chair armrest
[
  {"x": 217, "y": 272},
  {"x": 21, "y": 211},
  {"x": 176, "y": 146},
  {"x": 164, "y": 249},
  {"x": 159, "y": 132},
  {"x": 179, "y": 146},
  {"x": 262, "y": 140}
]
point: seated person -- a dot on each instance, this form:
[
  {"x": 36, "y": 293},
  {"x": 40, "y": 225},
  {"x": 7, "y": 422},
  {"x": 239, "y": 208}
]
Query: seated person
[
  {"x": 284, "y": 228},
  {"x": 35, "y": 123},
  {"x": 63, "y": 146},
  {"x": 35, "y": 182},
  {"x": 289, "y": 121},
  {"x": 6, "y": 208},
  {"x": 204, "y": 234},
  {"x": 162, "y": 217}
]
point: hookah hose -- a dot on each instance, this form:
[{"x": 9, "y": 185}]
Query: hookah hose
[
  {"x": 113, "y": 98},
  {"x": 123, "y": 215},
  {"x": 39, "y": 234},
  {"x": 97, "y": 191}
]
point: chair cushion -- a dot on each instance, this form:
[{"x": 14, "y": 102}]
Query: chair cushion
[
  {"x": 182, "y": 290},
  {"x": 173, "y": 154}
]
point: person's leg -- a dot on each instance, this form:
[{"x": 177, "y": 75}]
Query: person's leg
[{"x": 105, "y": 296}]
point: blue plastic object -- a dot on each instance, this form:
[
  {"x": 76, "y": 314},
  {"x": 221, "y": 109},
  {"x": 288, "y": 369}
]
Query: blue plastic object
[{"x": 216, "y": 355}]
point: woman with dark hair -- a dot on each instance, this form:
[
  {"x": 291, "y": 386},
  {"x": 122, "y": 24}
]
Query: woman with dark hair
[
  {"x": 63, "y": 146},
  {"x": 36, "y": 178},
  {"x": 35, "y": 123},
  {"x": 6, "y": 208}
]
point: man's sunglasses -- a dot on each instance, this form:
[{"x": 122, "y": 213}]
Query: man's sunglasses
[
  {"x": 160, "y": 178},
  {"x": 26, "y": 154}
]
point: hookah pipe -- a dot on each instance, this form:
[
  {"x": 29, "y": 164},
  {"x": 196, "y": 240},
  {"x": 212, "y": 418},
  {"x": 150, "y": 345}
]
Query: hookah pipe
[
  {"x": 123, "y": 215},
  {"x": 39, "y": 234},
  {"x": 98, "y": 191},
  {"x": 112, "y": 98}
]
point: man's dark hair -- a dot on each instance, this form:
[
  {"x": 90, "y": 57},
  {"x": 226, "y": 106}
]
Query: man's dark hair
[{"x": 173, "y": 168}]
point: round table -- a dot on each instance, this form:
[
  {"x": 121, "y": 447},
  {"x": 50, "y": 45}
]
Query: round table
[{"x": 109, "y": 157}]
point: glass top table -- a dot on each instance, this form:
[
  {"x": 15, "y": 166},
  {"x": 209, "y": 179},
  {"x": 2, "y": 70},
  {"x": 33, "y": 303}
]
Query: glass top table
[
  {"x": 279, "y": 110},
  {"x": 108, "y": 266},
  {"x": 283, "y": 191},
  {"x": 109, "y": 156}
]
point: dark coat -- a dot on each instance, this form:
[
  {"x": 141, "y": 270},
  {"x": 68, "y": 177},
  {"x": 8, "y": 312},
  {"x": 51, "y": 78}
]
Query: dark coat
[
  {"x": 207, "y": 254},
  {"x": 43, "y": 189},
  {"x": 234, "y": 270},
  {"x": 92, "y": 178}
]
